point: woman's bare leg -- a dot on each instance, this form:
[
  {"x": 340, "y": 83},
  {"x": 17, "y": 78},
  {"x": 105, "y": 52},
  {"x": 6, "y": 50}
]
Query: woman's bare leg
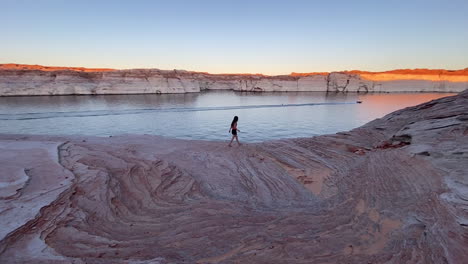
[
  {"x": 237, "y": 139},
  {"x": 231, "y": 141}
]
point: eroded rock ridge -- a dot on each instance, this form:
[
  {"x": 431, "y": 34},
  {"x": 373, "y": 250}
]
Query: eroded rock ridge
[{"x": 17, "y": 79}]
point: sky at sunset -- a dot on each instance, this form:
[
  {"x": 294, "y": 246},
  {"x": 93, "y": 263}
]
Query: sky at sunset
[{"x": 270, "y": 37}]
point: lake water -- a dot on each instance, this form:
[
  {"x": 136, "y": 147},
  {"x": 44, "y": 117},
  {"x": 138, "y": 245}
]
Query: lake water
[{"x": 206, "y": 115}]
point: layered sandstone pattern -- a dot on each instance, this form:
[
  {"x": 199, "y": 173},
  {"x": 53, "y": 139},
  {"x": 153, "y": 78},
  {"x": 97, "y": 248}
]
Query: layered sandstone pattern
[
  {"x": 17, "y": 79},
  {"x": 392, "y": 191}
]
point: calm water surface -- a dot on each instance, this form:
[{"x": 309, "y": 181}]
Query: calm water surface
[{"x": 206, "y": 115}]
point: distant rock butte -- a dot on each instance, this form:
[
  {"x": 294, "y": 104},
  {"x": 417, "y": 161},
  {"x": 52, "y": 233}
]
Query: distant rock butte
[
  {"x": 392, "y": 191},
  {"x": 19, "y": 79}
]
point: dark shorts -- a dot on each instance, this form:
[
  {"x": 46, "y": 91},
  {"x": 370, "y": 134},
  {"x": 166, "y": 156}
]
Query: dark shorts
[{"x": 234, "y": 132}]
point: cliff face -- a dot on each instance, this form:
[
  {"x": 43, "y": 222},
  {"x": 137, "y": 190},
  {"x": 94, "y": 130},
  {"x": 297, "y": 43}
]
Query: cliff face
[
  {"x": 392, "y": 191},
  {"x": 18, "y": 79}
]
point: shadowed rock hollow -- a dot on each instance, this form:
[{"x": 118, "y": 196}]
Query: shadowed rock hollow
[{"x": 392, "y": 191}]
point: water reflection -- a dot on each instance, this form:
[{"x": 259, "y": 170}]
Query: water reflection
[{"x": 121, "y": 114}]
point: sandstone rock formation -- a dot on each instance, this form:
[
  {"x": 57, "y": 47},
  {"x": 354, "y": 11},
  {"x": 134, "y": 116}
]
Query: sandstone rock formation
[
  {"x": 17, "y": 79},
  {"x": 392, "y": 191}
]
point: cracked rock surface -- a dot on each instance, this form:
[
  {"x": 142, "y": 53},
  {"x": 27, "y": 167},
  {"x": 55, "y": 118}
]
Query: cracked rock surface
[{"x": 392, "y": 191}]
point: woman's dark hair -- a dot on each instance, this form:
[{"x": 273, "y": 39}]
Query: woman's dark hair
[{"x": 234, "y": 120}]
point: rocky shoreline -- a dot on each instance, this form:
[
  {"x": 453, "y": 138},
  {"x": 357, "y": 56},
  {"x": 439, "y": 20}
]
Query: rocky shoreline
[
  {"x": 18, "y": 79},
  {"x": 392, "y": 191}
]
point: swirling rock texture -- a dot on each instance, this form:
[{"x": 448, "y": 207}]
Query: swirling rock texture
[
  {"x": 392, "y": 191},
  {"x": 18, "y": 79}
]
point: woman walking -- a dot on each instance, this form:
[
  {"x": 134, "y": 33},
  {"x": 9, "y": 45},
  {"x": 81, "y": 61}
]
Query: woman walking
[{"x": 234, "y": 131}]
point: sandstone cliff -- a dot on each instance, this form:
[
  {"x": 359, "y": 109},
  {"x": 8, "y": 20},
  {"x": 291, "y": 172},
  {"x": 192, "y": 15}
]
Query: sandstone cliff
[
  {"x": 17, "y": 79},
  {"x": 392, "y": 191}
]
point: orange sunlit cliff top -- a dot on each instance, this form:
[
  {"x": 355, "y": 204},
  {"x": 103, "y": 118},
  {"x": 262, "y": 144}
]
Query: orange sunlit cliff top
[
  {"x": 400, "y": 74},
  {"x": 417, "y": 71},
  {"x": 416, "y": 74},
  {"x": 12, "y": 66}
]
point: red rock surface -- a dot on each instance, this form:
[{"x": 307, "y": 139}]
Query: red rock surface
[{"x": 392, "y": 191}]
